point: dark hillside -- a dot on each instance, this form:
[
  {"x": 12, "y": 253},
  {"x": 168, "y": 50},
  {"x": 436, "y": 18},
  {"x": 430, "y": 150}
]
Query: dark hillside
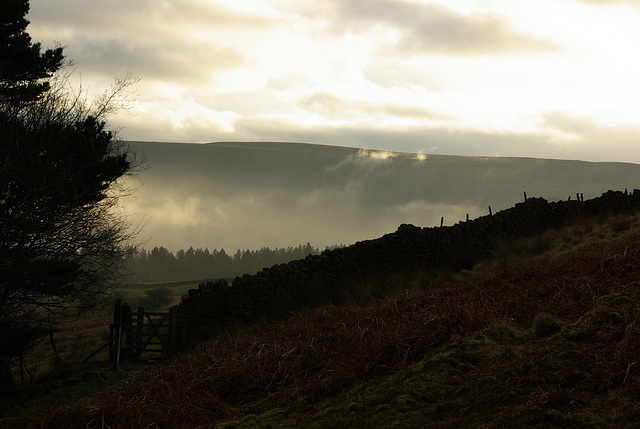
[
  {"x": 334, "y": 276},
  {"x": 248, "y": 195},
  {"x": 549, "y": 345}
]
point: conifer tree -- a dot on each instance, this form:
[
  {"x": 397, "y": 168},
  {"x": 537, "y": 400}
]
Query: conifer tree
[
  {"x": 61, "y": 241},
  {"x": 24, "y": 70}
]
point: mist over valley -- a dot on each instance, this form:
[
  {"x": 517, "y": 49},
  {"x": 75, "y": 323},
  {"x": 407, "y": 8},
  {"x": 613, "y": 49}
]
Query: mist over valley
[{"x": 261, "y": 194}]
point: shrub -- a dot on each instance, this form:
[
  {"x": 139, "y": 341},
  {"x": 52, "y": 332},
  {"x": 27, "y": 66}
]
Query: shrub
[
  {"x": 620, "y": 223},
  {"x": 156, "y": 299},
  {"x": 545, "y": 325}
]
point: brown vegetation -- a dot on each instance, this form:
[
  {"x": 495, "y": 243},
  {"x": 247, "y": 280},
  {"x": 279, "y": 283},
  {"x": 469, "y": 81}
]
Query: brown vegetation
[{"x": 322, "y": 352}]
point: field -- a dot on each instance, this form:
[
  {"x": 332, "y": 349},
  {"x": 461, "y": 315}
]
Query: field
[
  {"x": 545, "y": 333},
  {"x": 77, "y": 340},
  {"x": 178, "y": 288},
  {"x": 58, "y": 369}
]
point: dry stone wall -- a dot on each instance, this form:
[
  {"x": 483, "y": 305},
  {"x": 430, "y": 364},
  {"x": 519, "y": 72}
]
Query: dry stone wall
[{"x": 327, "y": 277}]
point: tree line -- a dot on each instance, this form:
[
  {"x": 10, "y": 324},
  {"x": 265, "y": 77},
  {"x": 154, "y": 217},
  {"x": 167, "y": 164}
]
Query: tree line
[{"x": 161, "y": 265}]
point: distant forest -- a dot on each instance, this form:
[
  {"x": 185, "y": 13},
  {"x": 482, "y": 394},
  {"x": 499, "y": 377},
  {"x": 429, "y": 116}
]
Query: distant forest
[{"x": 161, "y": 265}]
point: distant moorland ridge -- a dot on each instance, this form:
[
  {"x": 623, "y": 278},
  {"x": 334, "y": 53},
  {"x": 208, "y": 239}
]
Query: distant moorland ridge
[{"x": 250, "y": 195}]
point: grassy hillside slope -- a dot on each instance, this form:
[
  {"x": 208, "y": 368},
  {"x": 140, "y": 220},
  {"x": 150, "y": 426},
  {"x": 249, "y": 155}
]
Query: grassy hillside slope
[{"x": 545, "y": 334}]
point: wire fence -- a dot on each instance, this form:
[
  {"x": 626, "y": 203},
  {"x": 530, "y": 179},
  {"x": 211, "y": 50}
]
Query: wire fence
[{"x": 452, "y": 221}]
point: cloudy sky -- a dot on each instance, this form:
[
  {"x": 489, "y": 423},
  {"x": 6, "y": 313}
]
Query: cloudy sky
[{"x": 537, "y": 78}]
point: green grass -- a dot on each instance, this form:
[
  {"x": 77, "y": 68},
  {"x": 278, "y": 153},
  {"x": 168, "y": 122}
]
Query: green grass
[
  {"x": 136, "y": 292},
  {"x": 585, "y": 234},
  {"x": 178, "y": 288},
  {"x": 62, "y": 385},
  {"x": 498, "y": 377}
]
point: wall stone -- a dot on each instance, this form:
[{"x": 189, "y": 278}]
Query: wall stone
[{"x": 326, "y": 278}]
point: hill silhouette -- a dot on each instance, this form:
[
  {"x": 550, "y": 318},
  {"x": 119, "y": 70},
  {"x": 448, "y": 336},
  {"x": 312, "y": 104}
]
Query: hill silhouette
[
  {"x": 336, "y": 276},
  {"x": 251, "y": 195},
  {"x": 548, "y": 340}
]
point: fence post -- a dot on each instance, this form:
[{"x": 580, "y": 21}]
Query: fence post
[
  {"x": 127, "y": 327},
  {"x": 117, "y": 334},
  {"x": 490, "y": 214},
  {"x": 53, "y": 345},
  {"x": 173, "y": 331},
  {"x": 139, "y": 331},
  {"x": 467, "y": 247},
  {"x": 439, "y": 233}
]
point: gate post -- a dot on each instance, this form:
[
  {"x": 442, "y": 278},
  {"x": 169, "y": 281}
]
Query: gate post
[
  {"x": 173, "y": 331},
  {"x": 116, "y": 335},
  {"x": 139, "y": 332},
  {"x": 127, "y": 325}
]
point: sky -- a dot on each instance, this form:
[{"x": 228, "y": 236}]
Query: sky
[{"x": 534, "y": 78}]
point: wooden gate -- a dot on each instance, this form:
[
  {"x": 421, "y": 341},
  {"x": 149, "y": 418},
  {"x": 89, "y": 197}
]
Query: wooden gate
[{"x": 143, "y": 334}]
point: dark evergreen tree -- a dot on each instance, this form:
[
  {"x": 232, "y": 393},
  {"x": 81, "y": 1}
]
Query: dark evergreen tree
[
  {"x": 24, "y": 69},
  {"x": 160, "y": 265},
  {"x": 61, "y": 242}
]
